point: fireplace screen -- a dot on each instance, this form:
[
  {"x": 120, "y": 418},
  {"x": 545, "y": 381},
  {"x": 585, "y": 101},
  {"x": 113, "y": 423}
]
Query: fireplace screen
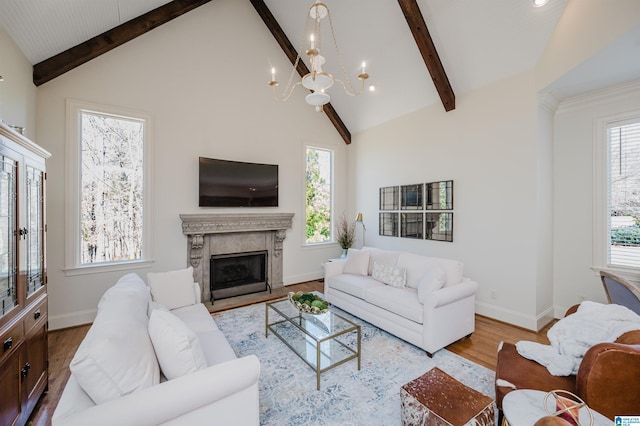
[{"x": 235, "y": 274}]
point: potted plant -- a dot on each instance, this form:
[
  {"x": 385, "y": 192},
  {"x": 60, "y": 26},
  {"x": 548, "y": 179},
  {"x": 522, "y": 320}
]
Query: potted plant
[{"x": 345, "y": 234}]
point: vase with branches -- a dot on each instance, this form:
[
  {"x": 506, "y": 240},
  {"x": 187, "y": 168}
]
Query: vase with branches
[{"x": 345, "y": 233}]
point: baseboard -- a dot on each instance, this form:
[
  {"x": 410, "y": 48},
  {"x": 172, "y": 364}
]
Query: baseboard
[
  {"x": 506, "y": 315},
  {"x": 303, "y": 278},
  {"x": 72, "y": 319}
]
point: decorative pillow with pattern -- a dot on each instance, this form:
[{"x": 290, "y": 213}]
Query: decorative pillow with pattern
[{"x": 389, "y": 274}]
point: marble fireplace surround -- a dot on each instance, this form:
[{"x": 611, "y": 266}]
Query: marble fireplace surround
[{"x": 212, "y": 234}]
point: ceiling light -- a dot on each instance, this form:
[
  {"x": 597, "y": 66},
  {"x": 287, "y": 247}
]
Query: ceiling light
[
  {"x": 1, "y": 79},
  {"x": 317, "y": 80},
  {"x": 538, "y": 3}
]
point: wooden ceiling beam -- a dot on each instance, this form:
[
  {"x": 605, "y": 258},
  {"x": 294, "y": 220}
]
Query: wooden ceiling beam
[
  {"x": 429, "y": 53},
  {"x": 84, "y": 52},
  {"x": 292, "y": 54}
]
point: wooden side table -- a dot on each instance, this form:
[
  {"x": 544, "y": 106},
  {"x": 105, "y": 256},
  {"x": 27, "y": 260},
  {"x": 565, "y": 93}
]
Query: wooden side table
[{"x": 437, "y": 399}]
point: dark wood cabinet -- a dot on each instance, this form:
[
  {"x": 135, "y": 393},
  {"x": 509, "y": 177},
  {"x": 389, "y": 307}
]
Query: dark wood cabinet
[{"x": 23, "y": 277}]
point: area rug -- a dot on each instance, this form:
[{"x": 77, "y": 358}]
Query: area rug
[{"x": 371, "y": 396}]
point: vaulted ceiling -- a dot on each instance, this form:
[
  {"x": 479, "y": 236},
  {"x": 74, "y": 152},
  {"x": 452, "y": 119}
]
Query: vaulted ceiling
[{"x": 477, "y": 42}]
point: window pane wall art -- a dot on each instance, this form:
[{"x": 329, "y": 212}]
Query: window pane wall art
[
  {"x": 419, "y": 211},
  {"x": 389, "y": 224},
  {"x": 389, "y": 197},
  {"x": 439, "y": 226},
  {"x": 411, "y": 197},
  {"x": 411, "y": 225},
  {"x": 439, "y": 195}
]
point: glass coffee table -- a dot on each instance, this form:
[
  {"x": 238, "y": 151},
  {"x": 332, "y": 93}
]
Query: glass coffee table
[{"x": 316, "y": 339}]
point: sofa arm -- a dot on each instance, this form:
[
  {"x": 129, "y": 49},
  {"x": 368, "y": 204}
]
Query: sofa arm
[
  {"x": 450, "y": 294},
  {"x": 333, "y": 268},
  {"x": 607, "y": 379},
  {"x": 210, "y": 393}
]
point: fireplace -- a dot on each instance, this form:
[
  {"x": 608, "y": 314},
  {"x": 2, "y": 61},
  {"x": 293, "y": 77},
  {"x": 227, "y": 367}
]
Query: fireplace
[
  {"x": 216, "y": 236},
  {"x": 236, "y": 274}
]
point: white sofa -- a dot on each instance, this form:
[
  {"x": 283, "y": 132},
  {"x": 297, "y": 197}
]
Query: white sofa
[
  {"x": 423, "y": 300},
  {"x": 161, "y": 361}
]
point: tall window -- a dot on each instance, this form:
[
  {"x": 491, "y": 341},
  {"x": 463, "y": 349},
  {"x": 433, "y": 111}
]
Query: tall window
[
  {"x": 623, "y": 140},
  {"x": 109, "y": 186},
  {"x": 319, "y": 172}
]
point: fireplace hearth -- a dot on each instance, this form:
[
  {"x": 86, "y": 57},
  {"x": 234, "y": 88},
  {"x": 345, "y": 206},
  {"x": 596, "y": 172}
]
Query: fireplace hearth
[{"x": 236, "y": 274}]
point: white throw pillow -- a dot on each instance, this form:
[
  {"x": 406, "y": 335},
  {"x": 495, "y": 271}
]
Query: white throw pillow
[
  {"x": 389, "y": 274},
  {"x": 173, "y": 289},
  {"x": 116, "y": 357},
  {"x": 431, "y": 281},
  {"x": 357, "y": 262},
  {"x": 177, "y": 347}
]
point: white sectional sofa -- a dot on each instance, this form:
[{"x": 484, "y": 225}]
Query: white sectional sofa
[
  {"x": 158, "y": 361},
  {"x": 423, "y": 300}
]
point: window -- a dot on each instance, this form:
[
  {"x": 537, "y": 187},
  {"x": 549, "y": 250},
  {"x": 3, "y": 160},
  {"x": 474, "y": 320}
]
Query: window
[
  {"x": 110, "y": 178},
  {"x": 624, "y": 194},
  {"x": 319, "y": 192},
  {"x": 618, "y": 228}
]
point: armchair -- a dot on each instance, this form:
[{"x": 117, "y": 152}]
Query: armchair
[
  {"x": 621, "y": 291},
  {"x": 607, "y": 380}
]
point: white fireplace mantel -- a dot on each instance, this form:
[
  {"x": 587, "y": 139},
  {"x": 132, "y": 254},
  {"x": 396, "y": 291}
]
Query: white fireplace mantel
[{"x": 222, "y": 233}]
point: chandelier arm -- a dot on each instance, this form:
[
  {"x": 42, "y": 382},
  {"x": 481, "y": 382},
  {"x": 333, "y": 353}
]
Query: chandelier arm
[
  {"x": 344, "y": 71},
  {"x": 285, "y": 96},
  {"x": 347, "y": 91}
]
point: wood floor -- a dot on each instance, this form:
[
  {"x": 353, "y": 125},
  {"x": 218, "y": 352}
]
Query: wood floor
[{"x": 480, "y": 348}]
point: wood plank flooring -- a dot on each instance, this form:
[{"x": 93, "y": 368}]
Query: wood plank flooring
[{"x": 480, "y": 348}]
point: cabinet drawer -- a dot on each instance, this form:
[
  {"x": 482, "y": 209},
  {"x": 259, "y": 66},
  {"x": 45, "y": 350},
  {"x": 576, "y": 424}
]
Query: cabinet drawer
[
  {"x": 10, "y": 339},
  {"x": 35, "y": 314}
]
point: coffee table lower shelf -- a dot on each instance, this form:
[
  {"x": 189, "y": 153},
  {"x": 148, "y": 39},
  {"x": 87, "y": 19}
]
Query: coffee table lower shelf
[{"x": 314, "y": 338}]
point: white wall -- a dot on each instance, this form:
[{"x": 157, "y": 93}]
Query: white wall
[
  {"x": 573, "y": 196},
  {"x": 489, "y": 146},
  {"x": 203, "y": 78},
  {"x": 17, "y": 91}
]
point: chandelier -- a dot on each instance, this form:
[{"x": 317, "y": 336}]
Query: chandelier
[{"x": 317, "y": 80}]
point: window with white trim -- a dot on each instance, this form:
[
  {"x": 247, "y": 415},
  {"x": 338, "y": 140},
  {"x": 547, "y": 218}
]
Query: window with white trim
[
  {"x": 319, "y": 194},
  {"x": 619, "y": 180},
  {"x": 109, "y": 186},
  {"x": 624, "y": 194}
]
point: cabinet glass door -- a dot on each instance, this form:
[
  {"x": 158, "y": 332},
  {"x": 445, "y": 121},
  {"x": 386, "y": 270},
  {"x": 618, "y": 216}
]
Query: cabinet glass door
[
  {"x": 8, "y": 260},
  {"x": 35, "y": 230}
]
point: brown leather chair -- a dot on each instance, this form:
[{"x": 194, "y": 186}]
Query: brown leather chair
[{"x": 608, "y": 378}]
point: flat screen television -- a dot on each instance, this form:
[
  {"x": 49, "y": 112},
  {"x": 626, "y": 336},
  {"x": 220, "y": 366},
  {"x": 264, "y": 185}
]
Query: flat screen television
[{"x": 224, "y": 183}]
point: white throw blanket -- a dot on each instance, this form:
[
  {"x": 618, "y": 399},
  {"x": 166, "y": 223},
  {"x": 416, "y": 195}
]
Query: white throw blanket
[{"x": 573, "y": 335}]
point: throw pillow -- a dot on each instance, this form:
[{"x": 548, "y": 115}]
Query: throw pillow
[
  {"x": 432, "y": 280},
  {"x": 116, "y": 357},
  {"x": 173, "y": 289},
  {"x": 389, "y": 274},
  {"x": 177, "y": 347},
  {"x": 357, "y": 262}
]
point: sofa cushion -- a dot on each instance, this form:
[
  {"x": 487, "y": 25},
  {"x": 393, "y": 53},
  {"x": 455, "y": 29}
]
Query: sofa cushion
[
  {"x": 173, "y": 289},
  {"x": 383, "y": 256},
  {"x": 400, "y": 301},
  {"x": 431, "y": 281},
  {"x": 196, "y": 317},
  {"x": 116, "y": 356},
  {"x": 453, "y": 268},
  {"x": 355, "y": 285},
  {"x": 357, "y": 262},
  {"x": 216, "y": 347},
  {"x": 176, "y": 346},
  {"x": 416, "y": 267},
  {"x": 392, "y": 275}
]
